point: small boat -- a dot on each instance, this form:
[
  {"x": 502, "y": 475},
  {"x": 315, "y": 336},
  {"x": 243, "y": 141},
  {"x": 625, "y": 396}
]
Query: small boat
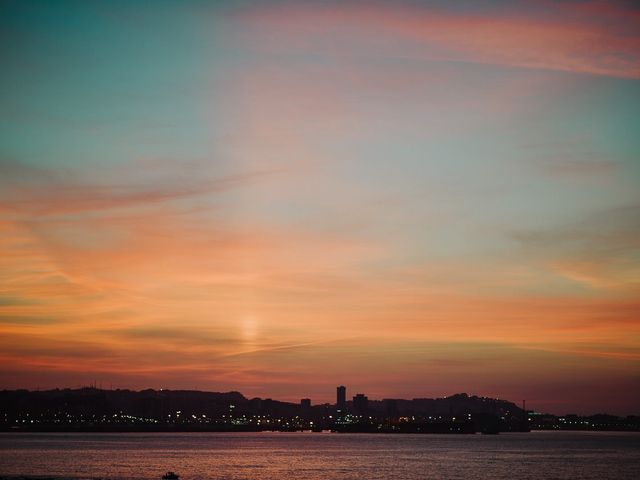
[{"x": 170, "y": 476}]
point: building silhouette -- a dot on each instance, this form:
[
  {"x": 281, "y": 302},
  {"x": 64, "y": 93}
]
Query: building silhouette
[
  {"x": 341, "y": 400},
  {"x": 360, "y": 403}
]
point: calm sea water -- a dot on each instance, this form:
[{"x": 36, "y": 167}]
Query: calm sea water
[{"x": 315, "y": 456}]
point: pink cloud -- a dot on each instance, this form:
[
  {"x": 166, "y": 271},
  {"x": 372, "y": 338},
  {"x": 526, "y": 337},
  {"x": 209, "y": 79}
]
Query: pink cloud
[{"x": 577, "y": 41}]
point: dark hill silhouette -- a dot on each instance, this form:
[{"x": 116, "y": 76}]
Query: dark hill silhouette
[{"x": 97, "y": 409}]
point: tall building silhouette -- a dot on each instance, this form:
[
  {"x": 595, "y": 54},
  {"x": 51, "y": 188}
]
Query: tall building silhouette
[{"x": 341, "y": 401}]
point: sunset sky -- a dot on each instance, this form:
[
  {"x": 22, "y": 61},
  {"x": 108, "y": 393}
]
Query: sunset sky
[{"x": 412, "y": 198}]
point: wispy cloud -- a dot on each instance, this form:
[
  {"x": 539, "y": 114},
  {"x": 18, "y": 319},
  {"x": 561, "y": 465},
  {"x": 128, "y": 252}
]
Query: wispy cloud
[
  {"x": 39, "y": 191},
  {"x": 600, "y": 251},
  {"x": 582, "y": 38}
]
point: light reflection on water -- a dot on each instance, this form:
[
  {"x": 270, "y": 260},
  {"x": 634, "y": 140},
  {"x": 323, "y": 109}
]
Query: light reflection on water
[{"x": 315, "y": 456}]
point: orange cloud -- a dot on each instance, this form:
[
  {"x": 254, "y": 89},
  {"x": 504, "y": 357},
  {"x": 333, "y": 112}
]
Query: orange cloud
[{"x": 174, "y": 287}]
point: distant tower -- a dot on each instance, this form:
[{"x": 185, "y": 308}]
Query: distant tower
[{"x": 341, "y": 402}]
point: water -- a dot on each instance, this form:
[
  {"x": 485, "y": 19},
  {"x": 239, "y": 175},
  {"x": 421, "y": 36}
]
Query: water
[{"x": 322, "y": 456}]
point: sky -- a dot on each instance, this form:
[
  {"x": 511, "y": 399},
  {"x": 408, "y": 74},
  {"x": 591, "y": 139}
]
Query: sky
[{"x": 411, "y": 198}]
